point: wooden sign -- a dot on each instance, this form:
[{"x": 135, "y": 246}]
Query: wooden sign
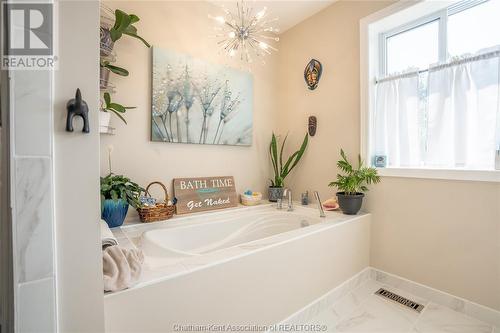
[{"x": 202, "y": 194}]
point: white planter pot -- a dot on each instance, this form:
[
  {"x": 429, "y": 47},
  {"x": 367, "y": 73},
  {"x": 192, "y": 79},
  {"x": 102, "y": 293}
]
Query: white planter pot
[{"x": 104, "y": 119}]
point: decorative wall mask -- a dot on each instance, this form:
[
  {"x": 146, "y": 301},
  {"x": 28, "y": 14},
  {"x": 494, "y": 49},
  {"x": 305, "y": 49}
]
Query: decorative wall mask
[
  {"x": 312, "y": 73},
  {"x": 198, "y": 102},
  {"x": 312, "y": 125}
]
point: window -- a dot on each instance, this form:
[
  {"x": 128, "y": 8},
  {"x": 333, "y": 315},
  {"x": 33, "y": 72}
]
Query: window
[
  {"x": 437, "y": 100},
  {"x": 474, "y": 29},
  {"x": 417, "y": 47}
]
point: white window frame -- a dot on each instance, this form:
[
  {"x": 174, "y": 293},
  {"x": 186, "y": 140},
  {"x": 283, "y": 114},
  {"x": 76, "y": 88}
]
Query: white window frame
[
  {"x": 441, "y": 15},
  {"x": 374, "y": 31}
]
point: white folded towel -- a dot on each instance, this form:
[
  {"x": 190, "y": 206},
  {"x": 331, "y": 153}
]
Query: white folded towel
[{"x": 107, "y": 237}]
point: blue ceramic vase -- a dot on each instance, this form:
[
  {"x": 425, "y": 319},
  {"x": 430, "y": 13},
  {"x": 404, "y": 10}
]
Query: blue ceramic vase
[{"x": 114, "y": 212}]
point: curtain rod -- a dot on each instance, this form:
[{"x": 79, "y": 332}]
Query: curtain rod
[{"x": 452, "y": 63}]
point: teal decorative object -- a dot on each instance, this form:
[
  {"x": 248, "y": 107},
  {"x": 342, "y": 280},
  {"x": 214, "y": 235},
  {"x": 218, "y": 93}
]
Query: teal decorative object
[{"x": 114, "y": 212}]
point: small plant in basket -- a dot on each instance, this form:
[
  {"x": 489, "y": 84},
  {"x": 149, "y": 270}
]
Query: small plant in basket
[{"x": 152, "y": 210}]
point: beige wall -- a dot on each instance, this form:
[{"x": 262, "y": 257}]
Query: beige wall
[
  {"x": 332, "y": 37},
  {"x": 445, "y": 234},
  {"x": 183, "y": 27}
]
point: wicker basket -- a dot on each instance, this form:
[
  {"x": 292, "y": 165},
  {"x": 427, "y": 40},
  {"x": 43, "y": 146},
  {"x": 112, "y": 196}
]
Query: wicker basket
[{"x": 159, "y": 212}]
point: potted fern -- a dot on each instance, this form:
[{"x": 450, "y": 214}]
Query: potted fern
[
  {"x": 352, "y": 185},
  {"x": 282, "y": 170}
]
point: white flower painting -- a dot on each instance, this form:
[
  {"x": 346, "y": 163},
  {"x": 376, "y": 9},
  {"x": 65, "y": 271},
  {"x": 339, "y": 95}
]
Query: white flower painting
[{"x": 200, "y": 103}]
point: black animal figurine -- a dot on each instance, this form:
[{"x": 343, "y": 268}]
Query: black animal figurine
[{"x": 77, "y": 107}]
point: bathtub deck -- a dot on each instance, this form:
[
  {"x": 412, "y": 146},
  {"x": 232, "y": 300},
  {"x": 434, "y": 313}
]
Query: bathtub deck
[{"x": 157, "y": 269}]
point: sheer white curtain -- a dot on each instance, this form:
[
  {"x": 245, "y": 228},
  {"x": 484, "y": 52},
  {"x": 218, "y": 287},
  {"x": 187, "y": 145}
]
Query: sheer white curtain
[
  {"x": 463, "y": 104},
  {"x": 396, "y": 121}
]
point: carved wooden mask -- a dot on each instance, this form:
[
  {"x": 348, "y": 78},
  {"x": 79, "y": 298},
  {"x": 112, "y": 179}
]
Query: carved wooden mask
[{"x": 312, "y": 73}]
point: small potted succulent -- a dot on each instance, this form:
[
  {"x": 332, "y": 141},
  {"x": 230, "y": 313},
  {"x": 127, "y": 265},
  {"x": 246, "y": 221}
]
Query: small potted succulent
[
  {"x": 352, "y": 185},
  {"x": 281, "y": 170},
  {"x": 117, "y": 193}
]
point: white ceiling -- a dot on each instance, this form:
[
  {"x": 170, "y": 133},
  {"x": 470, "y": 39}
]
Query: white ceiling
[{"x": 289, "y": 12}]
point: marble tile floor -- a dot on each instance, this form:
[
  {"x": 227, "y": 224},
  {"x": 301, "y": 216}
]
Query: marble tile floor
[{"x": 362, "y": 311}]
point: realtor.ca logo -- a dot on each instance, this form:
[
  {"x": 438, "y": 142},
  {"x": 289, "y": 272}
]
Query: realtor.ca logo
[{"x": 28, "y": 43}]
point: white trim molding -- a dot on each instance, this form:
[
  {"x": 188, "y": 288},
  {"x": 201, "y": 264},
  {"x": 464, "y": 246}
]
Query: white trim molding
[{"x": 448, "y": 174}]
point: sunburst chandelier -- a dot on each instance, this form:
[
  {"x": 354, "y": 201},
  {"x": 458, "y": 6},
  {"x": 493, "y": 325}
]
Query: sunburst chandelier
[{"x": 246, "y": 34}]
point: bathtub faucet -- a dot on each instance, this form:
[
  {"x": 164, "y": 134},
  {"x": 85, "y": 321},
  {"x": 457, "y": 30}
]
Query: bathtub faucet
[
  {"x": 288, "y": 192},
  {"x": 320, "y": 205}
]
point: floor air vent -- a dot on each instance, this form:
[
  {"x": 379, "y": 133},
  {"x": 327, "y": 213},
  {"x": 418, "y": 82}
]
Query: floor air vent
[{"x": 399, "y": 299}]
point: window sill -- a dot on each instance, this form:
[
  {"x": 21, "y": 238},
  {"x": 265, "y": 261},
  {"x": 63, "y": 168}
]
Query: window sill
[{"x": 448, "y": 174}]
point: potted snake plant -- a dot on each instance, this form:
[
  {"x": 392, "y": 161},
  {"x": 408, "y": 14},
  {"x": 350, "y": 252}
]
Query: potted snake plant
[
  {"x": 281, "y": 168},
  {"x": 353, "y": 184}
]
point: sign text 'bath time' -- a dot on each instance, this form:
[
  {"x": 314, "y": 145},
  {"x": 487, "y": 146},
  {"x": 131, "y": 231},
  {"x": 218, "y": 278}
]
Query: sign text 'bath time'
[{"x": 206, "y": 193}]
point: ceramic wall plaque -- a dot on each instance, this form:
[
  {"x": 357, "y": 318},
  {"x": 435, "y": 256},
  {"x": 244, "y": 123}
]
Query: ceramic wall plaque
[
  {"x": 197, "y": 102},
  {"x": 205, "y": 193}
]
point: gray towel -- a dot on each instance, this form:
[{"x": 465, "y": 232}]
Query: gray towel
[{"x": 122, "y": 268}]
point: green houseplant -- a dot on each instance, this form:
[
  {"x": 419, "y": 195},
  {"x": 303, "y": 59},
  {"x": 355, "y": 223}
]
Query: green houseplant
[
  {"x": 122, "y": 24},
  {"x": 352, "y": 185},
  {"x": 117, "y": 193},
  {"x": 116, "y": 108},
  {"x": 115, "y": 69},
  {"x": 282, "y": 170},
  {"x": 105, "y": 69}
]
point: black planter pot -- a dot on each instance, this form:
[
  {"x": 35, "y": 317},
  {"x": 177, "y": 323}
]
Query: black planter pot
[
  {"x": 350, "y": 204},
  {"x": 275, "y": 193}
]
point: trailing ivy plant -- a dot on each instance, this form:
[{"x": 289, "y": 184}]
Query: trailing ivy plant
[
  {"x": 117, "y": 187},
  {"x": 124, "y": 26},
  {"x": 355, "y": 180},
  {"x": 282, "y": 170},
  {"x": 115, "y": 69},
  {"x": 116, "y": 108}
]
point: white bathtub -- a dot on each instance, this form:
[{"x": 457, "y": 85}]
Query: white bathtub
[
  {"x": 219, "y": 233},
  {"x": 240, "y": 266}
]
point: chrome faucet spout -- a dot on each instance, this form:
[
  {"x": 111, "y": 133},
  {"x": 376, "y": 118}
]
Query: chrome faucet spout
[
  {"x": 320, "y": 206},
  {"x": 288, "y": 192}
]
